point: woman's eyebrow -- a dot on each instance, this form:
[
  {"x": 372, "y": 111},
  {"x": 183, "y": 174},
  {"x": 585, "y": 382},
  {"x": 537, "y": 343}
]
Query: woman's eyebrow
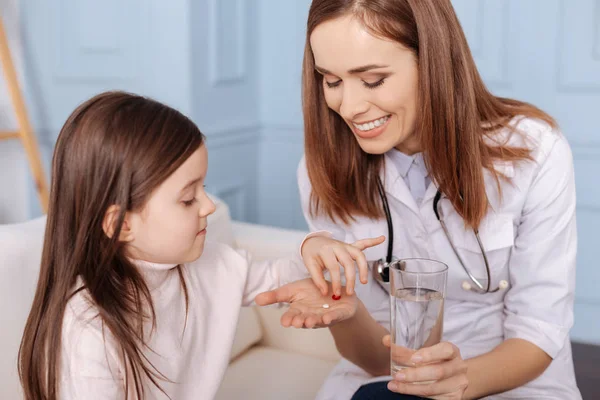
[{"x": 356, "y": 70}]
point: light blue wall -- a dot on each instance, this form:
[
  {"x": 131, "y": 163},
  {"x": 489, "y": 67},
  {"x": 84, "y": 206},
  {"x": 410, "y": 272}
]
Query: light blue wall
[
  {"x": 282, "y": 37},
  {"x": 543, "y": 51},
  {"x": 197, "y": 56},
  {"x": 73, "y": 50},
  {"x": 225, "y": 98}
]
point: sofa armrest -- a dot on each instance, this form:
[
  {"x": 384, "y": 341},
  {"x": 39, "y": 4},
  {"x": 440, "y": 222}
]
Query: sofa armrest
[{"x": 265, "y": 242}]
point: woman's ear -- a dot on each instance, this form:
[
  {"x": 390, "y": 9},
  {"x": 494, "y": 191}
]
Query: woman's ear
[{"x": 109, "y": 224}]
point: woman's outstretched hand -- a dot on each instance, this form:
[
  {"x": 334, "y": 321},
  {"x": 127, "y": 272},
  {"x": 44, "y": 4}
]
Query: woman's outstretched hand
[{"x": 307, "y": 305}]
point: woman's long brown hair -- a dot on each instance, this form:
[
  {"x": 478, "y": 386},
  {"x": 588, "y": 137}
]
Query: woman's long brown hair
[
  {"x": 455, "y": 114},
  {"x": 114, "y": 149}
]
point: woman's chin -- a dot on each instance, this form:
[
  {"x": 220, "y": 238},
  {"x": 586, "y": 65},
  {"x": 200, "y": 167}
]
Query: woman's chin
[{"x": 375, "y": 146}]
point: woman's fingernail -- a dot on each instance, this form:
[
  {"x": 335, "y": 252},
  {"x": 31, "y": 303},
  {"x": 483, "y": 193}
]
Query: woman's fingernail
[
  {"x": 416, "y": 358},
  {"x": 392, "y": 386},
  {"x": 400, "y": 376}
]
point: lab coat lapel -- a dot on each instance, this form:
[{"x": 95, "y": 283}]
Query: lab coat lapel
[{"x": 429, "y": 195}]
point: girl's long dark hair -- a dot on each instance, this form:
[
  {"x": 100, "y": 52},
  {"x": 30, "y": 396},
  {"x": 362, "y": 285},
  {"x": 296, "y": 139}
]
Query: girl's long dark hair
[{"x": 114, "y": 149}]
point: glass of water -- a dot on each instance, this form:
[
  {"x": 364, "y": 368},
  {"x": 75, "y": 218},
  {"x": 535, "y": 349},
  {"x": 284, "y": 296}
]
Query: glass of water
[{"x": 417, "y": 292}]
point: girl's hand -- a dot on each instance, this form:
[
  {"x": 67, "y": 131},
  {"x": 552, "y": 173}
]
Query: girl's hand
[
  {"x": 306, "y": 305},
  {"x": 436, "y": 372},
  {"x": 323, "y": 253}
]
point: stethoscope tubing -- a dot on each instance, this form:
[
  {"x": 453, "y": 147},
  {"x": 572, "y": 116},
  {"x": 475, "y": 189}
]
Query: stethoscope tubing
[{"x": 382, "y": 270}]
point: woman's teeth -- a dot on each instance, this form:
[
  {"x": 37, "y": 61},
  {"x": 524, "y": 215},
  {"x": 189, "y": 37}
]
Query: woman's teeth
[{"x": 371, "y": 125}]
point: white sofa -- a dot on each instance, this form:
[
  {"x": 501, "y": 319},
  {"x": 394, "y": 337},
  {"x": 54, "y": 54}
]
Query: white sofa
[{"x": 267, "y": 361}]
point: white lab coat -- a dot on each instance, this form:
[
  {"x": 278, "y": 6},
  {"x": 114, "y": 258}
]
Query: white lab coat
[{"x": 530, "y": 239}]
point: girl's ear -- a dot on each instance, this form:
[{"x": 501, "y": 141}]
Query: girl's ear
[{"x": 109, "y": 224}]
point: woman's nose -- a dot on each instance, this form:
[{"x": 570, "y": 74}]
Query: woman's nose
[{"x": 353, "y": 104}]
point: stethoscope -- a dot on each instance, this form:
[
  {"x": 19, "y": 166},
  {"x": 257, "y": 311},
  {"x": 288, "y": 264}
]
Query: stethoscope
[{"x": 381, "y": 267}]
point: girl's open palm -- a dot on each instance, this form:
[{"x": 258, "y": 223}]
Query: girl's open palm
[{"x": 306, "y": 305}]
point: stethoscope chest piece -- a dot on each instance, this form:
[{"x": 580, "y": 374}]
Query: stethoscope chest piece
[{"x": 381, "y": 269}]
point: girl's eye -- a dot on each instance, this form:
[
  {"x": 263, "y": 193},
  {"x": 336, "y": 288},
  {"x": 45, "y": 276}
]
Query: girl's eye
[
  {"x": 188, "y": 203},
  {"x": 374, "y": 84},
  {"x": 331, "y": 85}
]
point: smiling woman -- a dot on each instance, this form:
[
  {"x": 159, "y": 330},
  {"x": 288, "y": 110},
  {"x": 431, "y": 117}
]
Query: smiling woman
[{"x": 397, "y": 118}]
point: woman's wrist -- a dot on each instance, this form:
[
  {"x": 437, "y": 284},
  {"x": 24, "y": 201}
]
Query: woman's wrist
[
  {"x": 362, "y": 332},
  {"x": 355, "y": 320},
  {"x": 325, "y": 234}
]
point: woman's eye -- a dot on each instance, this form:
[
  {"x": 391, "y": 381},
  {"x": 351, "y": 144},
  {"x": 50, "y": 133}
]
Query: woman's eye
[
  {"x": 188, "y": 203},
  {"x": 331, "y": 85},
  {"x": 374, "y": 84}
]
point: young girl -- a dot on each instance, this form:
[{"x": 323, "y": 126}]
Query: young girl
[{"x": 125, "y": 306}]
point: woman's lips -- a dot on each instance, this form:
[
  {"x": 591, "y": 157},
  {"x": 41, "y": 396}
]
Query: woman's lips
[{"x": 370, "y": 134}]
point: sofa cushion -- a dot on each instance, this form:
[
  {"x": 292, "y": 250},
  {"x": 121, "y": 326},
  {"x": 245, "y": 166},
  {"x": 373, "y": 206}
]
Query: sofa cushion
[
  {"x": 20, "y": 254},
  {"x": 248, "y": 333},
  {"x": 267, "y": 242},
  {"x": 264, "y": 373},
  {"x": 310, "y": 342}
]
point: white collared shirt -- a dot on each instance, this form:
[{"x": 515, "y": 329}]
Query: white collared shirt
[{"x": 413, "y": 171}]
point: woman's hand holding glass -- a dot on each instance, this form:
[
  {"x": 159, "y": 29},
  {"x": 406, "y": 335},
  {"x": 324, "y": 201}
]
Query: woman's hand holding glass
[
  {"x": 436, "y": 372},
  {"x": 321, "y": 253}
]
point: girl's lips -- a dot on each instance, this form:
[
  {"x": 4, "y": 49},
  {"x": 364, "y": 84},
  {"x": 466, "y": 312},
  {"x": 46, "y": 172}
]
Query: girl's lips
[{"x": 202, "y": 232}]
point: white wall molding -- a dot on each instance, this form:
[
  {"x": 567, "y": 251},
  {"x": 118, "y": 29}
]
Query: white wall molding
[
  {"x": 235, "y": 134},
  {"x": 579, "y": 49},
  {"x": 486, "y": 24},
  {"x": 279, "y": 133},
  {"x": 88, "y": 51},
  {"x": 226, "y": 43},
  {"x": 596, "y": 51}
]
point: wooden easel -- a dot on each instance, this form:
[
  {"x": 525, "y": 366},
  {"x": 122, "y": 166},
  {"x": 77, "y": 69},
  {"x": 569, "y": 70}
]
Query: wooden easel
[{"x": 24, "y": 132}]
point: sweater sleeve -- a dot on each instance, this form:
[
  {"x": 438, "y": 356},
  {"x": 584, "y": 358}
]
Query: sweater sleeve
[{"x": 270, "y": 274}]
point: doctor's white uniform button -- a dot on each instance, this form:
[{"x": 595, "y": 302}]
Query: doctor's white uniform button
[
  {"x": 503, "y": 284},
  {"x": 466, "y": 285}
]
